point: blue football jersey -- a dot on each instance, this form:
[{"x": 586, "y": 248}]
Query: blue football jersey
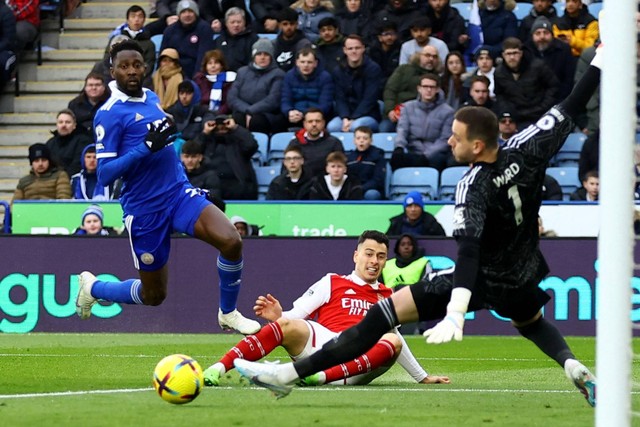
[{"x": 120, "y": 125}]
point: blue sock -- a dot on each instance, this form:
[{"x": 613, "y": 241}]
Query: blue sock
[
  {"x": 127, "y": 292},
  {"x": 230, "y": 273}
]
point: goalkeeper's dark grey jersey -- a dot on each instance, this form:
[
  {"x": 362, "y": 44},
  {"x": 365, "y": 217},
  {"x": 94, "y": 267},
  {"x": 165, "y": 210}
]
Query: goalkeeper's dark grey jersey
[{"x": 498, "y": 204}]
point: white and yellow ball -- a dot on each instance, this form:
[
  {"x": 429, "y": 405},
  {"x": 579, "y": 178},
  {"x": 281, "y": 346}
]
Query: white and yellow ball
[{"x": 178, "y": 379}]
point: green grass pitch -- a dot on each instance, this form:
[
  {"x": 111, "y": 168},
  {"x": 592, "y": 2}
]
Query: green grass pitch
[{"x": 105, "y": 380}]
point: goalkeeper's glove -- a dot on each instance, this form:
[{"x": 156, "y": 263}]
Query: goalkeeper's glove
[
  {"x": 451, "y": 326},
  {"x": 161, "y": 133}
]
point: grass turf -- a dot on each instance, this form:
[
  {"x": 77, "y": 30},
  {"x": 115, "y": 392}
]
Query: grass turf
[{"x": 105, "y": 380}]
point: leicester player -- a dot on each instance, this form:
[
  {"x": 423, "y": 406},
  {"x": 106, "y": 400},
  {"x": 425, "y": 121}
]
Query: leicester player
[
  {"x": 133, "y": 138},
  {"x": 499, "y": 263}
]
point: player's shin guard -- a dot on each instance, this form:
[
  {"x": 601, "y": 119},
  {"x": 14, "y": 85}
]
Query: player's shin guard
[
  {"x": 230, "y": 273},
  {"x": 254, "y": 347},
  {"x": 548, "y": 339},
  {"x": 353, "y": 342},
  {"x": 127, "y": 292},
  {"x": 380, "y": 354}
]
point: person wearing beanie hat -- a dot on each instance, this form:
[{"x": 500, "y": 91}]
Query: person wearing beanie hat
[
  {"x": 92, "y": 223},
  {"x": 187, "y": 5},
  {"x": 237, "y": 39},
  {"x": 133, "y": 140},
  {"x": 262, "y": 46},
  {"x": 415, "y": 220},
  {"x": 45, "y": 181},
  {"x": 485, "y": 67},
  {"x": 244, "y": 228},
  {"x": 541, "y": 8}
]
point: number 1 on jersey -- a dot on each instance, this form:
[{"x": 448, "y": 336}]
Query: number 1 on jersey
[{"x": 517, "y": 203}]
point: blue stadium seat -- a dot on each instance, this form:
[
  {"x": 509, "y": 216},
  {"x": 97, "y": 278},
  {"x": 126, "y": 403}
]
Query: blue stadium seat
[
  {"x": 449, "y": 178},
  {"x": 522, "y": 10},
  {"x": 404, "y": 180},
  {"x": 559, "y": 5},
  {"x": 464, "y": 9},
  {"x": 569, "y": 153},
  {"x": 277, "y": 144},
  {"x": 264, "y": 175},
  {"x": 594, "y": 9},
  {"x": 567, "y": 177},
  {"x": 268, "y": 36},
  {"x": 385, "y": 140},
  {"x": 347, "y": 140},
  {"x": 260, "y": 157}
]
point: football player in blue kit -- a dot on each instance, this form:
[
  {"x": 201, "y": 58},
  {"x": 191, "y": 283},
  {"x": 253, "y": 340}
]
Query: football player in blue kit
[
  {"x": 133, "y": 142},
  {"x": 499, "y": 264}
]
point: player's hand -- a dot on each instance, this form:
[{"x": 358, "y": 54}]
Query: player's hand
[
  {"x": 435, "y": 379},
  {"x": 447, "y": 329},
  {"x": 268, "y": 307},
  {"x": 161, "y": 133}
]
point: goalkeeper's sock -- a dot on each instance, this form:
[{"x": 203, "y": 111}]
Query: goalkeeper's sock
[
  {"x": 548, "y": 339},
  {"x": 230, "y": 273},
  {"x": 254, "y": 347},
  {"x": 127, "y": 292},
  {"x": 352, "y": 342},
  {"x": 380, "y": 354}
]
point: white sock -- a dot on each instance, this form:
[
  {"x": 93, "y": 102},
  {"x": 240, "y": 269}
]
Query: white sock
[{"x": 220, "y": 367}]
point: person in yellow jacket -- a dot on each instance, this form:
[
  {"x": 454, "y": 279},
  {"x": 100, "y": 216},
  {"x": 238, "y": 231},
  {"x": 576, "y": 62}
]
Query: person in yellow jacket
[{"x": 577, "y": 27}]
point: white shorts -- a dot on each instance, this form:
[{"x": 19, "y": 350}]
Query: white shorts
[{"x": 318, "y": 336}]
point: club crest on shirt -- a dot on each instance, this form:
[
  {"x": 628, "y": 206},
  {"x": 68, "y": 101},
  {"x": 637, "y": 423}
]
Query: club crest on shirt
[
  {"x": 99, "y": 133},
  {"x": 546, "y": 122}
]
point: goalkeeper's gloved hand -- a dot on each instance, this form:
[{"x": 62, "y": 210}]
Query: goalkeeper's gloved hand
[
  {"x": 161, "y": 133},
  {"x": 451, "y": 326}
]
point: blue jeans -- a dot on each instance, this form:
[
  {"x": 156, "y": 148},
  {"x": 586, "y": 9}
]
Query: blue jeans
[{"x": 335, "y": 125}]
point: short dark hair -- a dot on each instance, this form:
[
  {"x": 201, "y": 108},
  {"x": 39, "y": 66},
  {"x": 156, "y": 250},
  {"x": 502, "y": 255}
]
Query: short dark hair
[
  {"x": 288, "y": 15},
  {"x": 328, "y": 21},
  {"x": 481, "y": 123},
  {"x": 364, "y": 129},
  {"x": 511, "y": 43},
  {"x": 354, "y": 37},
  {"x": 430, "y": 76},
  {"x": 295, "y": 148},
  {"x": 135, "y": 9},
  {"x": 68, "y": 112},
  {"x": 307, "y": 50},
  {"x": 591, "y": 174},
  {"x": 314, "y": 110},
  {"x": 483, "y": 79},
  {"x": 375, "y": 235},
  {"x": 191, "y": 147},
  {"x": 122, "y": 46},
  {"x": 336, "y": 157},
  {"x": 185, "y": 86}
]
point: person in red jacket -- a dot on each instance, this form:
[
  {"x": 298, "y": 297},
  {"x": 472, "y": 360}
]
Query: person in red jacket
[{"x": 27, "y": 13}]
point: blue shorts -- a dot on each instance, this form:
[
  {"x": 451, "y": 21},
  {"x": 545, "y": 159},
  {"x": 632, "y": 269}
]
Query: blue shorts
[{"x": 150, "y": 234}]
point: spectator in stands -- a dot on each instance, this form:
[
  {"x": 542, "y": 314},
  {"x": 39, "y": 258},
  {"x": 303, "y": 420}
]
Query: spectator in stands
[
  {"x": 424, "y": 128},
  {"x": 267, "y": 13},
  {"x": 402, "y": 84},
  {"x": 244, "y": 228},
  {"x": 103, "y": 67},
  {"x": 315, "y": 142},
  {"x": 590, "y": 121},
  {"x": 354, "y": 18},
  {"x": 214, "y": 12},
  {"x": 166, "y": 14},
  {"x": 191, "y": 156},
  {"x": 358, "y": 85},
  {"x": 93, "y": 95},
  {"x": 228, "y": 149},
  {"x": 336, "y": 184},
  {"x": 551, "y": 190},
  {"x": 479, "y": 93},
  {"x": 45, "y": 180},
  {"x": 507, "y": 126},
  {"x": 92, "y": 223},
  {"x": 590, "y": 189},
  {"x": 27, "y": 14},
  {"x": 190, "y": 35},
  {"x": 236, "y": 39},
  {"x": 576, "y": 27},
  {"x": 84, "y": 184},
  {"x": 368, "y": 164},
  {"x": 187, "y": 111},
  {"x": 447, "y": 25},
  {"x": 68, "y": 142},
  {"x": 452, "y": 79},
  {"x": 540, "y": 8},
  {"x": 414, "y": 220},
  {"x": 329, "y": 46},
  {"x": 400, "y": 12},
  {"x": 306, "y": 86},
  {"x": 294, "y": 183},
  {"x": 7, "y": 45},
  {"x": 289, "y": 41},
  {"x": 408, "y": 267},
  {"x": 385, "y": 49},
  {"x": 556, "y": 54},
  {"x": 214, "y": 81},
  {"x": 254, "y": 98},
  {"x": 498, "y": 23},
  {"x": 310, "y": 12},
  {"x": 133, "y": 28},
  {"x": 421, "y": 37},
  {"x": 485, "y": 67},
  {"x": 543, "y": 232},
  {"x": 168, "y": 77},
  {"x": 589, "y": 155},
  {"x": 525, "y": 86}
]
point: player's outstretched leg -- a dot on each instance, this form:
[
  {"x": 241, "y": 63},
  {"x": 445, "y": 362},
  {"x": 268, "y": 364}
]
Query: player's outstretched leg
[
  {"x": 265, "y": 375},
  {"x": 84, "y": 300},
  {"x": 582, "y": 378},
  {"x": 91, "y": 290}
]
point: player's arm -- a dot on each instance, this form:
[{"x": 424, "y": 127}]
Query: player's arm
[
  {"x": 316, "y": 296},
  {"x": 407, "y": 360}
]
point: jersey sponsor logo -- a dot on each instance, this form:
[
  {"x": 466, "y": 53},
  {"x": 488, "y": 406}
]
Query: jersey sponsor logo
[
  {"x": 139, "y": 117},
  {"x": 356, "y": 307},
  {"x": 546, "y": 122},
  {"x": 99, "y": 134},
  {"x": 194, "y": 39},
  {"x": 458, "y": 218},
  {"x": 508, "y": 174},
  {"x": 147, "y": 258}
]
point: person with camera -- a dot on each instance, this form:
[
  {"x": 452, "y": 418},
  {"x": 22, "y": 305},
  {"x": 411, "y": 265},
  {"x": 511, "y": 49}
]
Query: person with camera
[{"x": 227, "y": 150}]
